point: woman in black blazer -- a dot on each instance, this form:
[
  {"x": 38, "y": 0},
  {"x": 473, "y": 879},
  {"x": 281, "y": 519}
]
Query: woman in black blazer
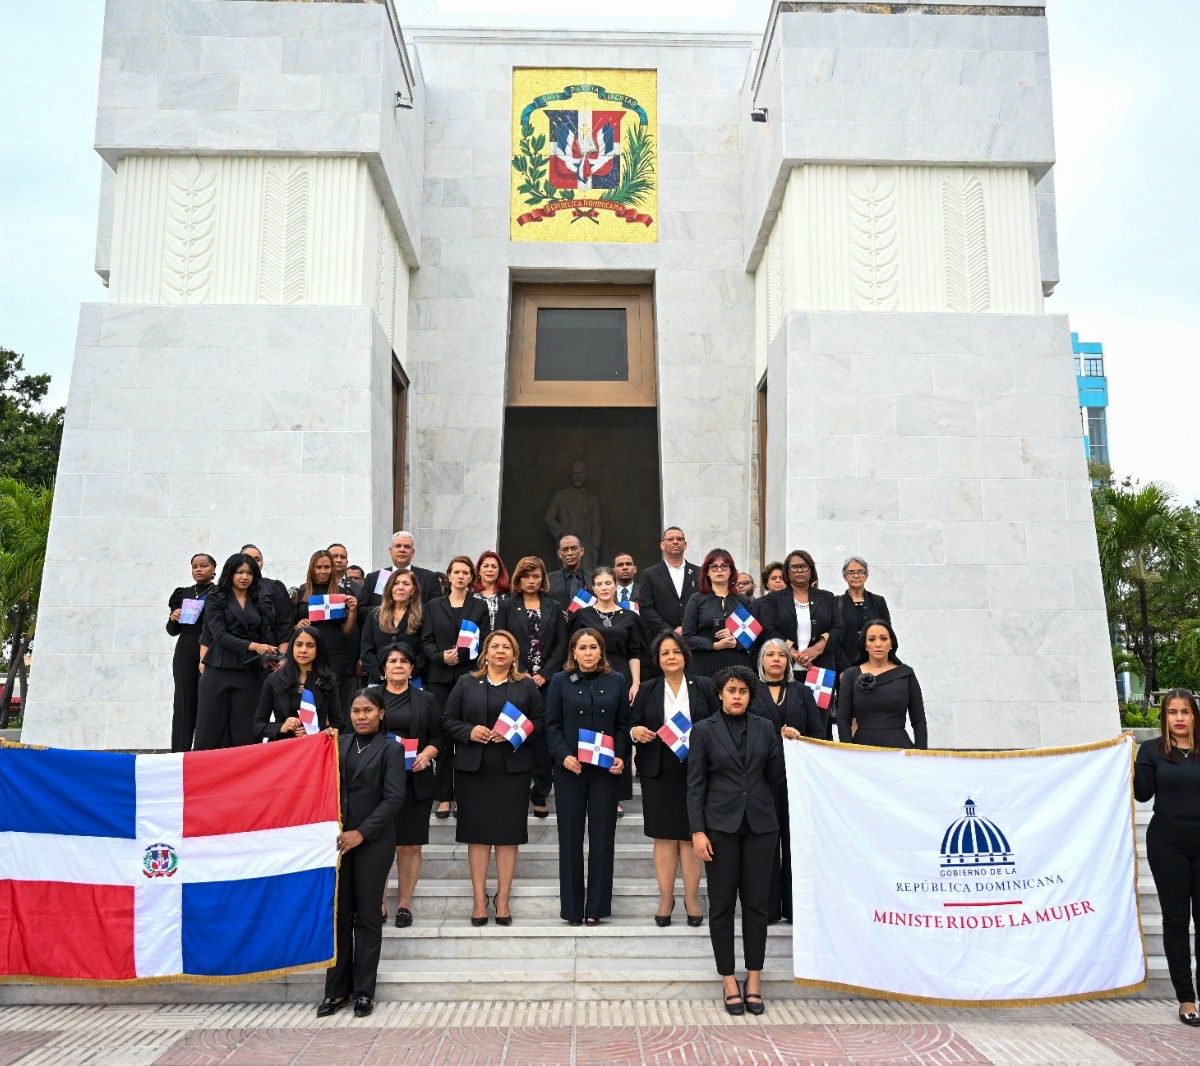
[
  {"x": 447, "y": 662},
  {"x": 877, "y": 696},
  {"x": 185, "y": 663},
  {"x": 396, "y": 620},
  {"x": 805, "y": 616},
  {"x": 586, "y": 695},
  {"x": 857, "y": 607},
  {"x": 306, "y": 668},
  {"x": 372, "y": 792},
  {"x": 664, "y": 774},
  {"x": 412, "y": 714},
  {"x": 340, "y": 634},
  {"x": 240, "y": 627},
  {"x": 492, "y": 776},
  {"x": 536, "y": 622},
  {"x": 735, "y": 770},
  {"x": 711, "y": 644}
]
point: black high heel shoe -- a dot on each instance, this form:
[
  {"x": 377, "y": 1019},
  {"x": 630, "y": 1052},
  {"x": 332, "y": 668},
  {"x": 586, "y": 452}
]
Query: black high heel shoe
[
  {"x": 753, "y": 1000},
  {"x": 504, "y": 920},
  {"x": 477, "y": 922},
  {"x": 734, "y": 1004},
  {"x": 664, "y": 920},
  {"x": 695, "y": 920}
]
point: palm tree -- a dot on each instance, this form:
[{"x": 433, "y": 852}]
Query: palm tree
[
  {"x": 24, "y": 525},
  {"x": 1144, "y": 538}
]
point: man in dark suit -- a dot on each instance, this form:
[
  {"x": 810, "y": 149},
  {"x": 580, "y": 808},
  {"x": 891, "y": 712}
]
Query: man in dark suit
[
  {"x": 341, "y": 561},
  {"x": 567, "y": 581},
  {"x": 402, "y": 549},
  {"x": 665, "y": 587},
  {"x": 626, "y": 570}
]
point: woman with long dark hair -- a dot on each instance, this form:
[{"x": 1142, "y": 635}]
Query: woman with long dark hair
[
  {"x": 878, "y": 696},
  {"x": 338, "y": 633},
  {"x": 242, "y": 631},
  {"x": 306, "y": 672},
  {"x": 712, "y": 645},
  {"x": 396, "y": 620},
  {"x": 1167, "y": 770},
  {"x": 185, "y": 621}
]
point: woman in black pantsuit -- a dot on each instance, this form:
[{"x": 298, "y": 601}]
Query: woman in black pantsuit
[
  {"x": 240, "y": 624},
  {"x": 856, "y": 607},
  {"x": 735, "y": 770},
  {"x": 446, "y": 661},
  {"x": 790, "y": 707},
  {"x": 306, "y": 667},
  {"x": 185, "y": 663},
  {"x": 493, "y": 777},
  {"x": 536, "y": 622},
  {"x": 805, "y": 616},
  {"x": 1167, "y": 770},
  {"x": 712, "y": 645},
  {"x": 586, "y": 695},
  {"x": 664, "y": 775},
  {"x": 412, "y": 714},
  {"x": 372, "y": 792},
  {"x": 876, "y": 697},
  {"x": 397, "y": 620}
]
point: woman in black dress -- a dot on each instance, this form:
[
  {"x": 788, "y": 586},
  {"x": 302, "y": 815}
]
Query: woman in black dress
[
  {"x": 712, "y": 645},
  {"x": 493, "y": 776},
  {"x": 338, "y": 634},
  {"x": 536, "y": 622},
  {"x": 1167, "y": 771},
  {"x": 396, "y": 620},
  {"x": 491, "y": 584},
  {"x": 664, "y": 774},
  {"x": 184, "y": 622},
  {"x": 305, "y": 670},
  {"x": 877, "y": 697},
  {"x": 805, "y": 616},
  {"x": 586, "y": 695},
  {"x": 446, "y": 661},
  {"x": 372, "y": 791},
  {"x": 857, "y": 607},
  {"x": 411, "y": 715}
]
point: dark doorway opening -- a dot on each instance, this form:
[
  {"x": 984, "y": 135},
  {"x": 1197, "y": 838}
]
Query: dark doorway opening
[{"x": 619, "y": 446}]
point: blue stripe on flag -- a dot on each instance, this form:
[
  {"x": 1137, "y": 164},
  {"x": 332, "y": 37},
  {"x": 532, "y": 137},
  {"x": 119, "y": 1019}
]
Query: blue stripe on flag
[
  {"x": 259, "y": 924},
  {"x": 70, "y": 793}
]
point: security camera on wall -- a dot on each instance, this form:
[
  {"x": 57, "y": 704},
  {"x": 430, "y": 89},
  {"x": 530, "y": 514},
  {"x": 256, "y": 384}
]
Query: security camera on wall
[{"x": 758, "y": 114}]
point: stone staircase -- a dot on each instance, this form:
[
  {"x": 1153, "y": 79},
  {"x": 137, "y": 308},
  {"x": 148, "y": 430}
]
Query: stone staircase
[{"x": 443, "y": 957}]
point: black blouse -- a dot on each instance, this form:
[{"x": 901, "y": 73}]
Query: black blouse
[{"x": 1174, "y": 785}]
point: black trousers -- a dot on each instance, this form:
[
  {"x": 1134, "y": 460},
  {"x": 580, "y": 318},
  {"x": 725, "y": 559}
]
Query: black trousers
[
  {"x": 348, "y": 685},
  {"x": 543, "y": 770},
  {"x": 185, "y": 668},
  {"x": 586, "y": 800},
  {"x": 361, "y": 883},
  {"x": 225, "y": 711},
  {"x": 1173, "y": 848},
  {"x": 779, "y": 902},
  {"x": 739, "y": 870},
  {"x": 445, "y": 760}
]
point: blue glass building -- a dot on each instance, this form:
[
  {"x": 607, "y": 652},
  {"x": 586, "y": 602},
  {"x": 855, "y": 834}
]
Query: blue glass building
[{"x": 1093, "y": 397}]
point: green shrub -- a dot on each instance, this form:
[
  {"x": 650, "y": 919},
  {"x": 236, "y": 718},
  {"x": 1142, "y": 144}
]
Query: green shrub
[{"x": 1135, "y": 716}]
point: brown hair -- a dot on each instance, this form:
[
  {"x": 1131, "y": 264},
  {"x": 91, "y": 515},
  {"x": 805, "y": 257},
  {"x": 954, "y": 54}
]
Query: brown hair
[
  {"x": 769, "y": 569},
  {"x": 1168, "y": 746},
  {"x": 466, "y": 561},
  {"x": 309, "y": 580},
  {"x": 514, "y": 669},
  {"x": 604, "y": 667},
  {"x": 526, "y": 566},
  {"x": 387, "y": 609}
]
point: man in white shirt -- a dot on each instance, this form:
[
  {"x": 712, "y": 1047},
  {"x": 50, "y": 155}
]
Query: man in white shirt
[
  {"x": 402, "y": 549},
  {"x": 665, "y": 587}
]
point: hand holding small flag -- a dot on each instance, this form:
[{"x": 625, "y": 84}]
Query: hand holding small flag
[
  {"x": 468, "y": 638},
  {"x": 743, "y": 627},
  {"x": 512, "y": 725},
  {"x": 821, "y": 682},
  {"x": 327, "y": 608},
  {"x": 597, "y": 749},
  {"x": 582, "y": 599},
  {"x": 675, "y": 733},
  {"x": 308, "y": 713}
]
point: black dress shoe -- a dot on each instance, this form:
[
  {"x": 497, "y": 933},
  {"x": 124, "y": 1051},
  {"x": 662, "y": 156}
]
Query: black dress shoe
[
  {"x": 663, "y": 920},
  {"x": 501, "y": 919},
  {"x": 1190, "y": 1018},
  {"x": 331, "y": 1006},
  {"x": 734, "y": 1004},
  {"x": 695, "y": 920},
  {"x": 442, "y": 814},
  {"x": 541, "y": 812},
  {"x": 591, "y": 921},
  {"x": 754, "y": 1001},
  {"x": 573, "y": 921},
  {"x": 403, "y": 917},
  {"x": 477, "y": 922},
  {"x": 363, "y": 1005}
]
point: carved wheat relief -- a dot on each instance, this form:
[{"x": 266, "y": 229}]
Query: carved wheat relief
[
  {"x": 964, "y": 243},
  {"x": 283, "y": 256},
  {"x": 874, "y": 252},
  {"x": 188, "y": 244}
]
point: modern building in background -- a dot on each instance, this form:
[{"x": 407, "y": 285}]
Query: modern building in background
[{"x": 1093, "y": 398}]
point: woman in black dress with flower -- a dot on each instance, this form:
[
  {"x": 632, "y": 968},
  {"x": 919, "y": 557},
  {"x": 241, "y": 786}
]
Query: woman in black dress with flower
[
  {"x": 879, "y": 695},
  {"x": 493, "y": 776},
  {"x": 712, "y": 646}
]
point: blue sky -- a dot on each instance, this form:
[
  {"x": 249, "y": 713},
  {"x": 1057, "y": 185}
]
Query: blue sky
[{"x": 1127, "y": 90}]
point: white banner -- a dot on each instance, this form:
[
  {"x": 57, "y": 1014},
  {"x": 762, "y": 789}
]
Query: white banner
[{"x": 961, "y": 879}]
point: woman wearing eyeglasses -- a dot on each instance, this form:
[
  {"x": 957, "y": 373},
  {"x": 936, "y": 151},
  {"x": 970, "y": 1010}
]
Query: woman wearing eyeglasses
[
  {"x": 712, "y": 645},
  {"x": 857, "y": 607},
  {"x": 803, "y": 615}
]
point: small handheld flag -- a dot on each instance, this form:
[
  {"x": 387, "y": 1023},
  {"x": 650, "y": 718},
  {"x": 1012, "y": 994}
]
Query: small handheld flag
[
  {"x": 629, "y": 605},
  {"x": 308, "y": 713},
  {"x": 821, "y": 682},
  {"x": 190, "y": 611},
  {"x": 744, "y": 627},
  {"x": 513, "y": 725},
  {"x": 675, "y": 733},
  {"x": 468, "y": 638},
  {"x": 582, "y": 599},
  {"x": 410, "y": 750},
  {"x": 415, "y": 682},
  {"x": 597, "y": 749},
  {"x": 326, "y": 608}
]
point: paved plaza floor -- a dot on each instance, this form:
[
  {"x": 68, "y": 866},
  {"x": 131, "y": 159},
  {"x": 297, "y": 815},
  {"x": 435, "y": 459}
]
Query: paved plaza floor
[{"x": 612, "y": 1034}]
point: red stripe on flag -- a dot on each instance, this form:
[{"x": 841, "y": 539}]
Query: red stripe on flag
[
  {"x": 261, "y": 786},
  {"x": 54, "y": 929}
]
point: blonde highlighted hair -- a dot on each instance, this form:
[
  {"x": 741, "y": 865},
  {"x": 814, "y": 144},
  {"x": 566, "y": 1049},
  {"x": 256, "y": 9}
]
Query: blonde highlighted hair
[{"x": 514, "y": 670}]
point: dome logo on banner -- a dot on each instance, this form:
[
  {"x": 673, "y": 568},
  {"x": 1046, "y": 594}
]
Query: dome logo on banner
[{"x": 973, "y": 840}]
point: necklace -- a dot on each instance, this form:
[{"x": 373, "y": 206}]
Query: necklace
[
  {"x": 359, "y": 748},
  {"x": 606, "y": 617}
]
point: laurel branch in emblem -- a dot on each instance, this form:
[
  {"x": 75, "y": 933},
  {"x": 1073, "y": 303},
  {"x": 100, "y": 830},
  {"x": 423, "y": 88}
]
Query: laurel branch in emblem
[{"x": 160, "y": 860}]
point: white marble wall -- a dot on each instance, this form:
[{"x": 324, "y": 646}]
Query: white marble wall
[
  {"x": 195, "y": 429},
  {"x": 945, "y": 448}
]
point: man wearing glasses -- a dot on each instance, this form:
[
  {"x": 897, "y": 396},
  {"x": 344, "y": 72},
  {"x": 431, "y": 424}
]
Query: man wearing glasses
[{"x": 665, "y": 587}]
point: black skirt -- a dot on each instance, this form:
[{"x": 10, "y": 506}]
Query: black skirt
[
  {"x": 412, "y": 823},
  {"x": 664, "y": 800},
  {"x": 493, "y": 805},
  {"x": 883, "y": 738}
]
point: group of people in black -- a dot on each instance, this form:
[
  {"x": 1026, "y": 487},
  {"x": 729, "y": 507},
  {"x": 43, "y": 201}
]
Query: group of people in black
[{"x": 498, "y": 688}]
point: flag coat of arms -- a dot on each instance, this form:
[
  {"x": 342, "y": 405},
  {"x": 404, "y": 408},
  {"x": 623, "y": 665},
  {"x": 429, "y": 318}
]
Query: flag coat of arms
[
  {"x": 597, "y": 749},
  {"x": 675, "y": 733},
  {"x": 468, "y": 638},
  {"x": 513, "y": 725},
  {"x": 135, "y": 868},
  {"x": 327, "y": 608},
  {"x": 744, "y": 627},
  {"x": 308, "y": 712},
  {"x": 821, "y": 681},
  {"x": 409, "y": 744},
  {"x": 582, "y": 599}
]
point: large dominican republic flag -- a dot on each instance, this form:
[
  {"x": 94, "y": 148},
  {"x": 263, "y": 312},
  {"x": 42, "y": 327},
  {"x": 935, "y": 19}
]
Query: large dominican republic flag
[{"x": 209, "y": 865}]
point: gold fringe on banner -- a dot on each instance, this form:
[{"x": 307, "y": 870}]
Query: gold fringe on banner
[{"x": 932, "y": 1001}]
